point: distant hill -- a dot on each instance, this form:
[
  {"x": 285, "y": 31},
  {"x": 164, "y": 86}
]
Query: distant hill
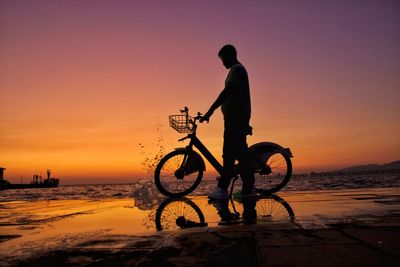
[{"x": 373, "y": 167}]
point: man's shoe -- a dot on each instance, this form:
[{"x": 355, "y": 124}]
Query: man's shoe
[{"x": 219, "y": 193}]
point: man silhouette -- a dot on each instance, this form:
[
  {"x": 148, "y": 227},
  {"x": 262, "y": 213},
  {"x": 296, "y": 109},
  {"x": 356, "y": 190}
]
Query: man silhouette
[{"x": 236, "y": 108}]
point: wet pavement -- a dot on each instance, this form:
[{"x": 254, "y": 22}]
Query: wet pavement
[{"x": 327, "y": 228}]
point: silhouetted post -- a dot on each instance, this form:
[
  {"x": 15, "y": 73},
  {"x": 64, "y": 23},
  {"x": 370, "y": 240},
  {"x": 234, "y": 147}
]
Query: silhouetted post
[{"x": 2, "y": 174}]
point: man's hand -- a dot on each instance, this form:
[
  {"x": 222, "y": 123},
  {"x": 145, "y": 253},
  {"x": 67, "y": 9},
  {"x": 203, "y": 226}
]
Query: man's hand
[{"x": 206, "y": 116}]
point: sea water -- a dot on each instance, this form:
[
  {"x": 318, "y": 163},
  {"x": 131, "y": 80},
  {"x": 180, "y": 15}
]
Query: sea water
[{"x": 145, "y": 188}]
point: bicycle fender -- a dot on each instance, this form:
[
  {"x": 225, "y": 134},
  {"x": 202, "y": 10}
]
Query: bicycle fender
[
  {"x": 195, "y": 158},
  {"x": 271, "y": 147}
]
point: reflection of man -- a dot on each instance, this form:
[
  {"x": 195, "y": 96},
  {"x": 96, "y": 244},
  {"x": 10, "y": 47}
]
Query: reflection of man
[
  {"x": 249, "y": 215},
  {"x": 249, "y": 210},
  {"x": 227, "y": 217},
  {"x": 235, "y": 105}
]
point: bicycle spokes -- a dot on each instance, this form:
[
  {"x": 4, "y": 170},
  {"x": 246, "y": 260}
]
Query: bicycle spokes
[
  {"x": 275, "y": 174},
  {"x": 277, "y": 164},
  {"x": 179, "y": 213},
  {"x": 274, "y": 209},
  {"x": 177, "y": 174}
]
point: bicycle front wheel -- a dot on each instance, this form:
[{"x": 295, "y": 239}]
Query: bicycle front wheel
[
  {"x": 277, "y": 173},
  {"x": 178, "y": 173},
  {"x": 178, "y": 213}
]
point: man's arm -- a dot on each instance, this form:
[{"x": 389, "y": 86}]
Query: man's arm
[{"x": 222, "y": 97}]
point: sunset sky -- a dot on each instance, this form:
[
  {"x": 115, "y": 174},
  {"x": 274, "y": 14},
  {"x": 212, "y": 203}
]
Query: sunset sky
[{"x": 83, "y": 83}]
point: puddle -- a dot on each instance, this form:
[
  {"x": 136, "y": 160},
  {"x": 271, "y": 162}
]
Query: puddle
[{"x": 31, "y": 227}]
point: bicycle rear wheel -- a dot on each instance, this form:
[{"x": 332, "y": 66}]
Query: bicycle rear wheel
[
  {"x": 270, "y": 181},
  {"x": 273, "y": 208},
  {"x": 178, "y": 173}
]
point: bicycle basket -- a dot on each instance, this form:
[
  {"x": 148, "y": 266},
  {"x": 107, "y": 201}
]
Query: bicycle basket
[{"x": 181, "y": 123}]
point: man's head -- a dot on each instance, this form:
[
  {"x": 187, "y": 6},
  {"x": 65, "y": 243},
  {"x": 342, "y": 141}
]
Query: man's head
[{"x": 228, "y": 55}]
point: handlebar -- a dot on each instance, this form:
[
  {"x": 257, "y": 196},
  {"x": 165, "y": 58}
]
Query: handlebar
[{"x": 199, "y": 116}]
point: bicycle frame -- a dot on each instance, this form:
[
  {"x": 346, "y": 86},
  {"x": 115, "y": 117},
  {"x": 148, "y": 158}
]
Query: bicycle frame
[{"x": 195, "y": 141}]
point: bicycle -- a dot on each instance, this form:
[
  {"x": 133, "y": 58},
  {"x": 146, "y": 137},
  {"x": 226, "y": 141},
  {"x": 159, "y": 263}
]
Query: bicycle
[{"x": 179, "y": 172}]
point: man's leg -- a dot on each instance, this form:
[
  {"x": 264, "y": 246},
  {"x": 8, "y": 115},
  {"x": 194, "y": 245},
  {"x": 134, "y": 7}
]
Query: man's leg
[
  {"x": 228, "y": 155},
  {"x": 229, "y": 152},
  {"x": 245, "y": 167},
  {"x": 229, "y": 165}
]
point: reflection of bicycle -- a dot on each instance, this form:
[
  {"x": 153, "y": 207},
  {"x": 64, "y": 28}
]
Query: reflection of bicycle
[
  {"x": 178, "y": 212},
  {"x": 180, "y": 172},
  {"x": 181, "y": 213},
  {"x": 273, "y": 208}
]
